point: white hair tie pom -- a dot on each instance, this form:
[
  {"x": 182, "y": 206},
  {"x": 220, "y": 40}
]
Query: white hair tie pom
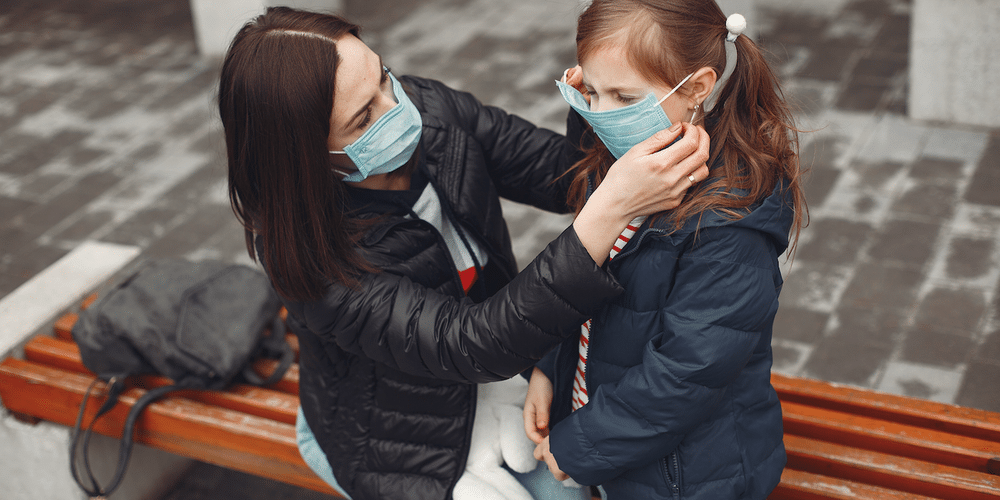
[{"x": 735, "y": 23}]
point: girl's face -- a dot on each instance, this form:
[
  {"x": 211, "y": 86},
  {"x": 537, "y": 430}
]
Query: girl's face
[
  {"x": 613, "y": 83},
  {"x": 362, "y": 94}
]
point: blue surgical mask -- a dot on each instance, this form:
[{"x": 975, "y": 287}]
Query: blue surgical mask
[
  {"x": 389, "y": 142},
  {"x": 621, "y": 129}
]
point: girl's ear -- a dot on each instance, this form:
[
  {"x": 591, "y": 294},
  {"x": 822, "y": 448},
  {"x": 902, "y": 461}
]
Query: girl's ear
[{"x": 701, "y": 84}]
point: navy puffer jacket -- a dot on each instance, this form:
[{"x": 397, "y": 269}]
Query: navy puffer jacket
[
  {"x": 678, "y": 373},
  {"x": 388, "y": 368}
]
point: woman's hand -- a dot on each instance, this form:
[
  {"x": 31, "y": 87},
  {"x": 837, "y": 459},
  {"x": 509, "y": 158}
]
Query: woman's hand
[
  {"x": 543, "y": 453},
  {"x": 651, "y": 177},
  {"x": 536, "y": 406}
]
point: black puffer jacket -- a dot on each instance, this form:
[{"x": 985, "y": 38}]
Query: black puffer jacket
[{"x": 387, "y": 368}]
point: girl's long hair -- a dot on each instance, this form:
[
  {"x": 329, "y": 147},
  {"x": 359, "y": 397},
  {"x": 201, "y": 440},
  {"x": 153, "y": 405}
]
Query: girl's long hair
[
  {"x": 754, "y": 142},
  {"x": 275, "y": 99}
]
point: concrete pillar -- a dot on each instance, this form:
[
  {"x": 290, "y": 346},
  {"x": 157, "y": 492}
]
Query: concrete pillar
[
  {"x": 954, "y": 69},
  {"x": 217, "y": 21}
]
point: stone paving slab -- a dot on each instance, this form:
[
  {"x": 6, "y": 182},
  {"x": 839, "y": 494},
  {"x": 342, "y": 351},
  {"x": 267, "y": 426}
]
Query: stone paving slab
[{"x": 108, "y": 132}]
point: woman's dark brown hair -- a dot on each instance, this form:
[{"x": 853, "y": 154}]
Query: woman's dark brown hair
[
  {"x": 750, "y": 125},
  {"x": 275, "y": 100}
]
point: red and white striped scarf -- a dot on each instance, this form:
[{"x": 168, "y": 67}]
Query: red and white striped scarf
[{"x": 580, "y": 396}]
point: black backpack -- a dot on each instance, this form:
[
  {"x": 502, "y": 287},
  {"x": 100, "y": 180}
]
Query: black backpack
[{"x": 201, "y": 324}]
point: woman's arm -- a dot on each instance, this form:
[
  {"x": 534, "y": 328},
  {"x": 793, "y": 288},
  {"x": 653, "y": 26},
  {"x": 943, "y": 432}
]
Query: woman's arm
[
  {"x": 685, "y": 369},
  {"x": 403, "y": 325}
]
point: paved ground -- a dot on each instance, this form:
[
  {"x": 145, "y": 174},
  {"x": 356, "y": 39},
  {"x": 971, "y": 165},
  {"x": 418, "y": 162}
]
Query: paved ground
[{"x": 108, "y": 132}]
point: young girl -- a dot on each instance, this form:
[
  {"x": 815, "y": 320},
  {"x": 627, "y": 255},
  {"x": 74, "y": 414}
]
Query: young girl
[
  {"x": 373, "y": 204},
  {"x": 667, "y": 394}
]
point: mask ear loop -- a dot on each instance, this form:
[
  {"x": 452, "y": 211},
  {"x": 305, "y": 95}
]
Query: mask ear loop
[{"x": 679, "y": 85}]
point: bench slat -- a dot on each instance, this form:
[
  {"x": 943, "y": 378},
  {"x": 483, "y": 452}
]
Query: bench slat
[
  {"x": 65, "y": 354},
  {"x": 798, "y": 485},
  {"x": 889, "y": 437},
  {"x": 264, "y": 402},
  {"x": 178, "y": 425},
  {"x": 889, "y": 471},
  {"x": 971, "y": 422}
]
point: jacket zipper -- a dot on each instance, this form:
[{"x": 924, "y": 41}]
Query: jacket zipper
[{"x": 672, "y": 469}]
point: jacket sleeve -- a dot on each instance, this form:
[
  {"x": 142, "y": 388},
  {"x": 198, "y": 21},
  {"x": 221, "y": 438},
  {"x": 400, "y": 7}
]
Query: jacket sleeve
[
  {"x": 724, "y": 296},
  {"x": 525, "y": 162},
  {"x": 408, "y": 327}
]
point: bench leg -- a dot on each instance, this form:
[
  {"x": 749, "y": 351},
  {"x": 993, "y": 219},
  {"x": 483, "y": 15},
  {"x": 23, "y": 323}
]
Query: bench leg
[{"x": 34, "y": 462}]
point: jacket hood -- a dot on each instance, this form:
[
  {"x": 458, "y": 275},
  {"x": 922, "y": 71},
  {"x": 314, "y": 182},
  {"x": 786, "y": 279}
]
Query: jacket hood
[{"x": 772, "y": 215}]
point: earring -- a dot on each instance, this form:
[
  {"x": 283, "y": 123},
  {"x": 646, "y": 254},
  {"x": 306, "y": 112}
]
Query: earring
[{"x": 694, "y": 113}]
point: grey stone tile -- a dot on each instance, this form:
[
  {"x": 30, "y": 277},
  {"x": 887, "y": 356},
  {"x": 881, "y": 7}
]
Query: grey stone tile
[
  {"x": 894, "y": 35},
  {"x": 818, "y": 183},
  {"x": 936, "y": 348},
  {"x": 933, "y": 201},
  {"x": 848, "y": 358},
  {"x": 905, "y": 243},
  {"x": 969, "y": 258},
  {"x": 862, "y": 96},
  {"x": 879, "y": 286},
  {"x": 11, "y": 208},
  {"x": 979, "y": 387},
  {"x": 878, "y": 174},
  {"x": 800, "y": 325},
  {"x": 20, "y": 267},
  {"x": 878, "y": 325},
  {"x": 983, "y": 188},
  {"x": 989, "y": 350},
  {"x": 836, "y": 241},
  {"x": 828, "y": 61},
  {"x": 822, "y": 153},
  {"x": 880, "y": 68},
  {"x": 85, "y": 226},
  {"x": 15, "y": 238},
  {"x": 194, "y": 188},
  {"x": 72, "y": 199},
  {"x": 954, "y": 311},
  {"x": 937, "y": 169},
  {"x": 192, "y": 233},
  {"x": 145, "y": 227},
  {"x": 41, "y": 151}
]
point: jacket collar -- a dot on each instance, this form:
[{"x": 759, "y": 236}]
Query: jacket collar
[{"x": 772, "y": 215}]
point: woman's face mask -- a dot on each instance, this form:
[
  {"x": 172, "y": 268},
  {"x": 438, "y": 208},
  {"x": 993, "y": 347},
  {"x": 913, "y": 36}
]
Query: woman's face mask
[
  {"x": 621, "y": 129},
  {"x": 389, "y": 142}
]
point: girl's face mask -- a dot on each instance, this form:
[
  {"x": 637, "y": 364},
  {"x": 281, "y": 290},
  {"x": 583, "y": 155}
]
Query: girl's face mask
[
  {"x": 621, "y": 129},
  {"x": 389, "y": 142}
]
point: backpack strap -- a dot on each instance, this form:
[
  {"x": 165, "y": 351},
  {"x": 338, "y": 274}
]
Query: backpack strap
[{"x": 115, "y": 388}]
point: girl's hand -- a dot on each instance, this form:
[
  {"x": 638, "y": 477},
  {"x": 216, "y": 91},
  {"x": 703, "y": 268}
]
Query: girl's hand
[
  {"x": 536, "y": 406},
  {"x": 651, "y": 177},
  {"x": 542, "y": 453}
]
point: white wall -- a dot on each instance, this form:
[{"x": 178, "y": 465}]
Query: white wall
[
  {"x": 954, "y": 67},
  {"x": 217, "y": 21}
]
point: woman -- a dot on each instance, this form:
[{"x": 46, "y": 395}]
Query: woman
[
  {"x": 666, "y": 393},
  {"x": 373, "y": 204}
]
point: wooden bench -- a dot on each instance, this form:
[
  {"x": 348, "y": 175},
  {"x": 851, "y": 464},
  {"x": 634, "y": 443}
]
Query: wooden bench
[
  {"x": 842, "y": 442},
  {"x": 246, "y": 428}
]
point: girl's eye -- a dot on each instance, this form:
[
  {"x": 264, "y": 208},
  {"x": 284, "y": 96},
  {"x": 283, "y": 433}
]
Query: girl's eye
[
  {"x": 367, "y": 119},
  {"x": 625, "y": 99}
]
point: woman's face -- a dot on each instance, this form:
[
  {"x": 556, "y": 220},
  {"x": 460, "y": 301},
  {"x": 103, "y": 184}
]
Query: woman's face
[
  {"x": 362, "y": 94},
  {"x": 613, "y": 83}
]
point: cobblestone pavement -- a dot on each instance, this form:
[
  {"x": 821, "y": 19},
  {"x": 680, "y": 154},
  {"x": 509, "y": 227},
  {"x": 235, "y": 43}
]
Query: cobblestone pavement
[{"x": 108, "y": 131}]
